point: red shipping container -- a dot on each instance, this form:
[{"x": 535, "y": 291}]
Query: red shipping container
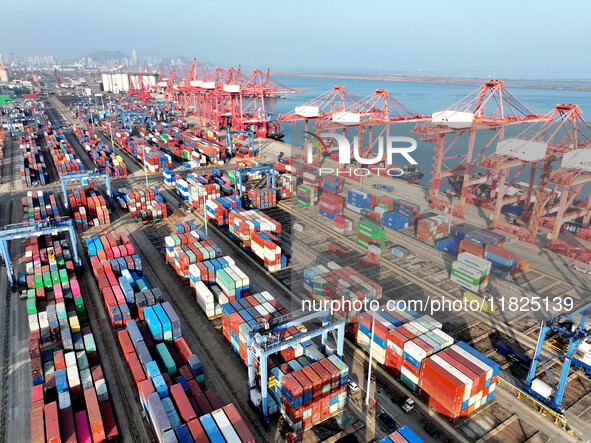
[
  {"x": 446, "y": 384},
  {"x": 145, "y": 388},
  {"x": 292, "y": 386},
  {"x": 214, "y": 399},
  {"x": 183, "y": 348},
  {"x": 197, "y": 431},
  {"x": 195, "y": 389},
  {"x": 203, "y": 403},
  {"x": 37, "y": 426},
  {"x": 473, "y": 248},
  {"x": 135, "y": 367},
  {"x": 97, "y": 373},
  {"x": 94, "y": 415},
  {"x": 52, "y": 425},
  {"x": 125, "y": 342},
  {"x": 37, "y": 393},
  {"x": 182, "y": 402},
  {"x": 480, "y": 373}
]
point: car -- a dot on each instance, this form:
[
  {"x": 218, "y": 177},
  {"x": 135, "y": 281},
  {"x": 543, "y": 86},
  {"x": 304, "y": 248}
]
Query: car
[
  {"x": 388, "y": 422},
  {"x": 408, "y": 405},
  {"x": 353, "y": 386}
]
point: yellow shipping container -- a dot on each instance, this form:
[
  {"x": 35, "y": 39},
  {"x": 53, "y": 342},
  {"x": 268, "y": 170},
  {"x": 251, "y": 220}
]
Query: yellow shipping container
[
  {"x": 484, "y": 304},
  {"x": 74, "y": 324}
]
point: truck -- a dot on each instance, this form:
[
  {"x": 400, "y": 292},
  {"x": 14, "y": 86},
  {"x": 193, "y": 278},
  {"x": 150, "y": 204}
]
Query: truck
[{"x": 388, "y": 188}]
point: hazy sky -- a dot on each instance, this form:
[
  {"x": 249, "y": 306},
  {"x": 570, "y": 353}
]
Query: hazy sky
[{"x": 449, "y": 37}]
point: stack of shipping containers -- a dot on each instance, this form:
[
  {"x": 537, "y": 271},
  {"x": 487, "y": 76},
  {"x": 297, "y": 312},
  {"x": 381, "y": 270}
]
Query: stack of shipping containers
[
  {"x": 145, "y": 204},
  {"x": 168, "y": 375},
  {"x": 70, "y": 395},
  {"x": 89, "y": 207}
]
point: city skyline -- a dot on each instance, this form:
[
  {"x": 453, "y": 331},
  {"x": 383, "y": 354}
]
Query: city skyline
[{"x": 460, "y": 38}]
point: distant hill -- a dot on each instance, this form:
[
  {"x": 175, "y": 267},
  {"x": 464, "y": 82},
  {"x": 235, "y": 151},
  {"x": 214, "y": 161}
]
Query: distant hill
[{"x": 103, "y": 56}]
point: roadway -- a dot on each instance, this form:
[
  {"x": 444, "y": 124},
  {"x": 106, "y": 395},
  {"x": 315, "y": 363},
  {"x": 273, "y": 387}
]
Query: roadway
[{"x": 15, "y": 379}]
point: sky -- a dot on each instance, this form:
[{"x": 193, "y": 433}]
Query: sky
[{"x": 527, "y": 38}]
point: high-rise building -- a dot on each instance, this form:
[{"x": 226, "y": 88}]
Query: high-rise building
[
  {"x": 4, "y": 77},
  {"x": 134, "y": 57}
]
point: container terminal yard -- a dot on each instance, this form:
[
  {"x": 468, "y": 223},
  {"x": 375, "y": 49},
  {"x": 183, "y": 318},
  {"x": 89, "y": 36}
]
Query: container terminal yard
[{"x": 178, "y": 272}]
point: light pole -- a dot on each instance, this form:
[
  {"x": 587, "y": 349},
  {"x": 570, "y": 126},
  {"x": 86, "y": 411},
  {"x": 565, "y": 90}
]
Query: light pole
[
  {"x": 111, "y": 134},
  {"x": 144, "y": 164},
  {"x": 368, "y": 386},
  {"x": 205, "y": 213}
]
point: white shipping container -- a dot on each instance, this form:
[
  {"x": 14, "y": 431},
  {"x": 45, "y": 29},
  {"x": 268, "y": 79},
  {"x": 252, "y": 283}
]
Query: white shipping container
[
  {"x": 431, "y": 320},
  {"x": 225, "y": 426},
  {"x": 415, "y": 351},
  {"x": 418, "y": 326},
  {"x": 413, "y": 330},
  {"x": 413, "y": 378},
  {"x": 465, "y": 284},
  {"x": 70, "y": 359},
  {"x": 474, "y": 261},
  {"x": 101, "y": 391},
  {"x": 467, "y": 270},
  {"x": 448, "y": 339}
]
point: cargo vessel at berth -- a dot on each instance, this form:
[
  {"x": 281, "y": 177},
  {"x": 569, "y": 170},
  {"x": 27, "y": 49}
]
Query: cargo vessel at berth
[{"x": 411, "y": 174}]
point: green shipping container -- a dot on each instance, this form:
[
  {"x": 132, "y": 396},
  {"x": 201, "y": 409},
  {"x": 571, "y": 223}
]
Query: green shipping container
[
  {"x": 47, "y": 283},
  {"x": 166, "y": 359},
  {"x": 408, "y": 383},
  {"x": 38, "y": 280},
  {"x": 82, "y": 360},
  {"x": 89, "y": 343},
  {"x": 466, "y": 278},
  {"x": 304, "y": 203},
  {"x": 141, "y": 285},
  {"x": 63, "y": 275},
  {"x": 31, "y": 306}
]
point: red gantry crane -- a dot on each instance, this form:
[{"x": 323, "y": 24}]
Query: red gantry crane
[
  {"x": 537, "y": 146},
  {"x": 556, "y": 196},
  {"x": 333, "y": 102},
  {"x": 228, "y": 99},
  {"x": 378, "y": 109},
  {"x": 461, "y": 126}
]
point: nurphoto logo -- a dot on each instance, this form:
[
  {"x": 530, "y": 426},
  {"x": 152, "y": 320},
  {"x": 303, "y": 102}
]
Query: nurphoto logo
[{"x": 344, "y": 149}]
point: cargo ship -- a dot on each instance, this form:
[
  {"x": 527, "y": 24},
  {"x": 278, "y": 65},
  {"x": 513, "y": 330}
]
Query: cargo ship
[{"x": 411, "y": 174}]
